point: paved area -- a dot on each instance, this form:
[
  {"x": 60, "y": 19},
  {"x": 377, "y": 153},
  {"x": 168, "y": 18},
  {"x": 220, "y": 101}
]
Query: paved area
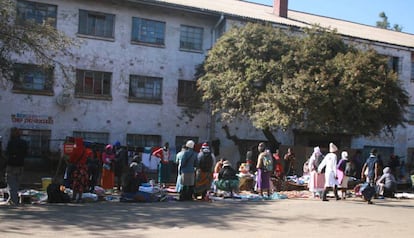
[{"x": 280, "y": 218}]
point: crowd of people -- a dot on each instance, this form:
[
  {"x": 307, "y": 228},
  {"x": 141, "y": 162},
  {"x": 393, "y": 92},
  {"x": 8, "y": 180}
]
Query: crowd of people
[{"x": 199, "y": 172}]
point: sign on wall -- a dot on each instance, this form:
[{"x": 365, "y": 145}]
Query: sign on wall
[{"x": 23, "y": 118}]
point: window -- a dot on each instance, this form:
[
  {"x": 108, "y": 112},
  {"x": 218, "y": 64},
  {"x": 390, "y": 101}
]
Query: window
[
  {"x": 33, "y": 78},
  {"x": 145, "y": 88},
  {"x": 93, "y": 83},
  {"x": 412, "y": 66},
  {"x": 37, "y": 12},
  {"x": 96, "y": 137},
  {"x": 143, "y": 140},
  {"x": 187, "y": 93},
  {"x": 148, "y": 31},
  {"x": 38, "y": 141},
  {"x": 181, "y": 140},
  {"x": 191, "y": 38},
  {"x": 96, "y": 24},
  {"x": 410, "y": 114},
  {"x": 394, "y": 64}
]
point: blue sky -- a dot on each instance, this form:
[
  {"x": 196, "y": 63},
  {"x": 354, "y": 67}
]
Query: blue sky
[{"x": 367, "y": 12}]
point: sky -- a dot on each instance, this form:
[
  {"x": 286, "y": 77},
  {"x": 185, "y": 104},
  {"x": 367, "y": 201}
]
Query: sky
[{"x": 366, "y": 12}]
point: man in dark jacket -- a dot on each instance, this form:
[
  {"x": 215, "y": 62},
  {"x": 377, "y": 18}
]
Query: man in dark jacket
[{"x": 16, "y": 153}]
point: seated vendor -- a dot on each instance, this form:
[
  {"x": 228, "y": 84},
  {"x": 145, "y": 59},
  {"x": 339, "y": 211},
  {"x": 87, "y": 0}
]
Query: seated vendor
[
  {"x": 227, "y": 178},
  {"x": 135, "y": 176}
]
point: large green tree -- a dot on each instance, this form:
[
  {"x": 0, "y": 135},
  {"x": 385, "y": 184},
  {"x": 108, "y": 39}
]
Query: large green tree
[
  {"x": 312, "y": 81},
  {"x": 41, "y": 42}
]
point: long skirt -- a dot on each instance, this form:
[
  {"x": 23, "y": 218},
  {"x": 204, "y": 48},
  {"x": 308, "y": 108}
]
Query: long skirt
[
  {"x": 203, "y": 181},
  {"x": 108, "y": 179},
  {"x": 163, "y": 172},
  {"x": 80, "y": 178},
  {"x": 263, "y": 179}
]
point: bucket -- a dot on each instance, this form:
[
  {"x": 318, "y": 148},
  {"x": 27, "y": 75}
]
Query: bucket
[{"x": 46, "y": 182}]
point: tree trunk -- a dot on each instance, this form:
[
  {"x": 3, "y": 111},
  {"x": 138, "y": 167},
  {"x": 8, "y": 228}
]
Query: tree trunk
[{"x": 272, "y": 143}]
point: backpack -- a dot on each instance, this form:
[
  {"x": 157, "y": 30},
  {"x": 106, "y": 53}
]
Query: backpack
[{"x": 267, "y": 163}]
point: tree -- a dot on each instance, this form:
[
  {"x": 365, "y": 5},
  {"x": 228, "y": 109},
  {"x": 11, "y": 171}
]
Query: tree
[
  {"x": 385, "y": 24},
  {"x": 313, "y": 82},
  {"x": 41, "y": 41}
]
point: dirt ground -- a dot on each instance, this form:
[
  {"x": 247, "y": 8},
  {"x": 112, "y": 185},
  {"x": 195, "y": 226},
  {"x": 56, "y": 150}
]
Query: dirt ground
[{"x": 306, "y": 217}]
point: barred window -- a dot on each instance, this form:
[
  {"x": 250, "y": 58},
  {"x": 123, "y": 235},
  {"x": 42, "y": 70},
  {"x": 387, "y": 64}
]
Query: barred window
[
  {"x": 39, "y": 13},
  {"x": 93, "y": 83},
  {"x": 145, "y": 88},
  {"x": 148, "y": 31},
  {"x": 191, "y": 38},
  {"x": 96, "y": 137},
  {"x": 33, "y": 78},
  {"x": 96, "y": 24},
  {"x": 38, "y": 141},
  {"x": 139, "y": 140}
]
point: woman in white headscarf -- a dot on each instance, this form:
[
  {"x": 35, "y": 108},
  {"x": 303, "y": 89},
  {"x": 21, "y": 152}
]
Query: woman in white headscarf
[
  {"x": 329, "y": 163},
  {"x": 316, "y": 180},
  {"x": 342, "y": 173}
]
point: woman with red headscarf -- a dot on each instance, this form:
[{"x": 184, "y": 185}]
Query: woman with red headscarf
[
  {"x": 80, "y": 173},
  {"x": 108, "y": 175}
]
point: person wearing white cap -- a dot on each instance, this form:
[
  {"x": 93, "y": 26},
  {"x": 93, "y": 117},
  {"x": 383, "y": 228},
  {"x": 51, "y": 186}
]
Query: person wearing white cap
[
  {"x": 187, "y": 165},
  {"x": 329, "y": 163}
]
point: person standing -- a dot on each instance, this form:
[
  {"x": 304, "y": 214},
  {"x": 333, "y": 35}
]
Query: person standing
[
  {"x": 108, "y": 176},
  {"x": 16, "y": 152},
  {"x": 329, "y": 163},
  {"x": 278, "y": 168},
  {"x": 264, "y": 169},
  {"x": 316, "y": 180},
  {"x": 80, "y": 177},
  {"x": 289, "y": 159},
  {"x": 204, "y": 172},
  {"x": 343, "y": 177},
  {"x": 121, "y": 163},
  {"x": 178, "y": 159},
  {"x": 187, "y": 166},
  {"x": 164, "y": 165},
  {"x": 370, "y": 168}
]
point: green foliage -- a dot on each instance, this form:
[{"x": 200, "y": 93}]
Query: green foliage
[
  {"x": 41, "y": 42},
  {"x": 385, "y": 24},
  {"x": 312, "y": 81}
]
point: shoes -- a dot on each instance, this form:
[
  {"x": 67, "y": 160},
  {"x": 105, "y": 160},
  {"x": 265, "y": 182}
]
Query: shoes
[
  {"x": 325, "y": 200},
  {"x": 370, "y": 202}
]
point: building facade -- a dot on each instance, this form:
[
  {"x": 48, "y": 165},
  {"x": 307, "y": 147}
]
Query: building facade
[{"x": 133, "y": 74}]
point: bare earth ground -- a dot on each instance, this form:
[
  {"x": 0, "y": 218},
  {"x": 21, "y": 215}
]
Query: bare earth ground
[{"x": 279, "y": 218}]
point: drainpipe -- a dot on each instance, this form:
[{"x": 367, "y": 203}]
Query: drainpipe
[{"x": 210, "y": 126}]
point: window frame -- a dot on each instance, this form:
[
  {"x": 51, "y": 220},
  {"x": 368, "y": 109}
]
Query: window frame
[
  {"x": 156, "y": 94},
  {"x": 143, "y": 140},
  {"x": 142, "y": 28},
  {"x": 21, "y": 78},
  {"x": 410, "y": 114},
  {"x": 93, "y": 136},
  {"x": 38, "y": 141},
  {"x": 36, "y": 8},
  {"x": 84, "y": 29},
  {"x": 186, "y": 93},
  {"x": 412, "y": 67},
  {"x": 89, "y": 75},
  {"x": 190, "y": 39}
]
